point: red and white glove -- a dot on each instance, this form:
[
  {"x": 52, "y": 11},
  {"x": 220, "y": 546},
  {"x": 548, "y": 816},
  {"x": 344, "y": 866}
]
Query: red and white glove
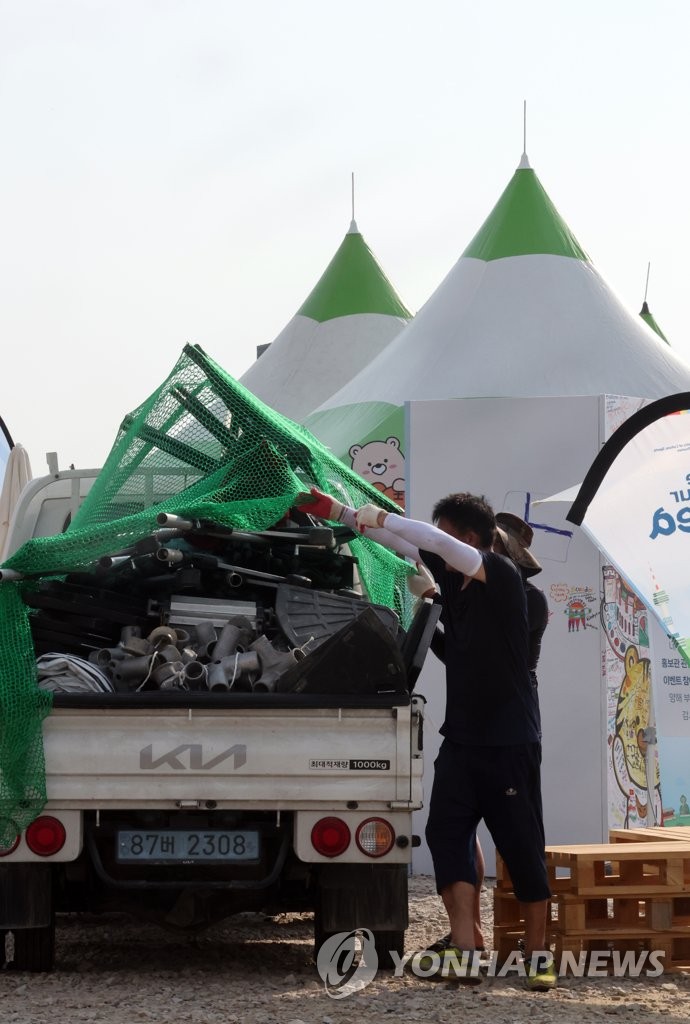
[
  {"x": 369, "y": 516},
  {"x": 323, "y": 506},
  {"x": 423, "y": 583}
]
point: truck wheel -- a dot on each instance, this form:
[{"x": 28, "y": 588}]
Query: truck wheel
[
  {"x": 34, "y": 948},
  {"x": 387, "y": 943}
]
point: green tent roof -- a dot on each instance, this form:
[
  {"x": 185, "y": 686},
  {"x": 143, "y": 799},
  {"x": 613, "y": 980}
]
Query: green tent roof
[
  {"x": 524, "y": 222},
  {"x": 649, "y": 319},
  {"x": 353, "y": 282}
]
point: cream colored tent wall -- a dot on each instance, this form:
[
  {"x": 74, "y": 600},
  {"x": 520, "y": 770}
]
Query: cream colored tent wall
[{"x": 515, "y": 450}]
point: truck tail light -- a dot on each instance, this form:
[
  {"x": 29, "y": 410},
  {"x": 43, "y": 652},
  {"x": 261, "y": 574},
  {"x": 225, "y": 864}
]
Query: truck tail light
[
  {"x": 375, "y": 837},
  {"x": 330, "y": 837},
  {"x": 11, "y": 845},
  {"x": 45, "y": 836}
]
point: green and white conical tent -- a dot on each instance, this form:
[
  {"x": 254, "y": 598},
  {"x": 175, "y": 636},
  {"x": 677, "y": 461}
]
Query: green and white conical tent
[
  {"x": 522, "y": 313},
  {"x": 351, "y": 316}
]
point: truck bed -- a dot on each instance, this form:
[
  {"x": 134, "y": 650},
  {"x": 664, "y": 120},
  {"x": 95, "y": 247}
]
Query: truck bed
[{"x": 289, "y": 751}]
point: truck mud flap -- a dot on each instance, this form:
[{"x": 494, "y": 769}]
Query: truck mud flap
[
  {"x": 362, "y": 896},
  {"x": 26, "y": 896}
]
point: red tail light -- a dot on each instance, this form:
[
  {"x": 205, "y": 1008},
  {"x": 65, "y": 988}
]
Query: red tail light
[
  {"x": 330, "y": 837},
  {"x": 45, "y": 836}
]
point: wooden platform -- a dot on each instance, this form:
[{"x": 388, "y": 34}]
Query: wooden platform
[
  {"x": 678, "y": 833},
  {"x": 619, "y": 869},
  {"x": 629, "y": 895}
]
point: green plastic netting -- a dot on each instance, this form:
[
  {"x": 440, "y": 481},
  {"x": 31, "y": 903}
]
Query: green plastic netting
[{"x": 201, "y": 446}]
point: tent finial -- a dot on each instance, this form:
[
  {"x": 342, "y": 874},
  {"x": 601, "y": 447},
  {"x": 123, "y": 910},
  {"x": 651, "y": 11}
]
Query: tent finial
[
  {"x": 646, "y": 286},
  {"x": 524, "y": 160},
  {"x": 353, "y": 223}
]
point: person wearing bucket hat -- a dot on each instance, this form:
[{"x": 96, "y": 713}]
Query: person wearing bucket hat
[
  {"x": 517, "y": 537},
  {"x": 513, "y": 538}
]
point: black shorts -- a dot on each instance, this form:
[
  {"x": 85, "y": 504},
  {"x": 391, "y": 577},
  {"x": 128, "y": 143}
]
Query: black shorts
[{"x": 502, "y": 786}]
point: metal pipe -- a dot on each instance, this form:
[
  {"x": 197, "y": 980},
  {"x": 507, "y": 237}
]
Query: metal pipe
[
  {"x": 176, "y": 522},
  {"x": 170, "y": 555},
  {"x": 226, "y": 673},
  {"x": 228, "y": 641},
  {"x": 162, "y": 635},
  {"x": 206, "y": 638},
  {"x": 10, "y": 574},
  {"x": 274, "y": 663},
  {"x": 136, "y": 646},
  {"x": 169, "y": 676},
  {"x": 113, "y": 561},
  {"x": 132, "y": 668},
  {"x": 195, "y": 675},
  {"x": 106, "y": 656}
]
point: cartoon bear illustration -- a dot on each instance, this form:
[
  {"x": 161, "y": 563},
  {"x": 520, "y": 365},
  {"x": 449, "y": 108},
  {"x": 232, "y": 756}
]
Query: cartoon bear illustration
[{"x": 382, "y": 464}]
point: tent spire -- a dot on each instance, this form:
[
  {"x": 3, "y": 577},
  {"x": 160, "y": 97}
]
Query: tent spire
[
  {"x": 524, "y": 159},
  {"x": 647, "y": 282},
  {"x": 354, "y": 230}
]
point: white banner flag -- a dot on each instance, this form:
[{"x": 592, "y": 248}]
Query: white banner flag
[{"x": 635, "y": 505}]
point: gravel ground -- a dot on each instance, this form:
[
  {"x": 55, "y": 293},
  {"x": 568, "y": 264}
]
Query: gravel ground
[{"x": 256, "y": 970}]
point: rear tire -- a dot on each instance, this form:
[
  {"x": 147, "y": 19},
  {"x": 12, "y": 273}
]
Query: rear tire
[{"x": 34, "y": 948}]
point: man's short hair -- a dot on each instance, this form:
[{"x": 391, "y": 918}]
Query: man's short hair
[{"x": 468, "y": 512}]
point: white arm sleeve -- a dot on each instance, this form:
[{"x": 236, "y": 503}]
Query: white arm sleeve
[
  {"x": 460, "y": 556},
  {"x": 383, "y": 536},
  {"x": 407, "y": 536}
]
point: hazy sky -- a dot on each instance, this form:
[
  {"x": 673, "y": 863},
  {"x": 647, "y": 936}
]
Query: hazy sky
[{"x": 178, "y": 171}]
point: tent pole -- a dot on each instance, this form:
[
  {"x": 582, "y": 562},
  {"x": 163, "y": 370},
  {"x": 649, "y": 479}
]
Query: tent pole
[{"x": 524, "y": 127}]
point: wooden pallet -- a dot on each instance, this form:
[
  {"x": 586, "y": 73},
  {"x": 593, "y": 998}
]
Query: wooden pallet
[
  {"x": 620, "y": 869},
  {"x": 572, "y": 914},
  {"x": 675, "y": 833},
  {"x": 622, "y": 896},
  {"x": 675, "y": 945}
]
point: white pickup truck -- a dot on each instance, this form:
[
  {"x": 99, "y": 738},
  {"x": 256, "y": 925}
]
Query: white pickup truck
[{"x": 190, "y": 804}]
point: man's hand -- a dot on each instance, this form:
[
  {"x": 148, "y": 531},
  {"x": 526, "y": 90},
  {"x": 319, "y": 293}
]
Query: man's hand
[
  {"x": 323, "y": 506},
  {"x": 423, "y": 584},
  {"x": 371, "y": 516}
]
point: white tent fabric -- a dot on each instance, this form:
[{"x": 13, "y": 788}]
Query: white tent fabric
[
  {"x": 522, "y": 313},
  {"x": 309, "y": 360},
  {"x": 519, "y": 327},
  {"x": 351, "y": 315},
  {"x": 17, "y": 475},
  {"x": 568, "y": 496}
]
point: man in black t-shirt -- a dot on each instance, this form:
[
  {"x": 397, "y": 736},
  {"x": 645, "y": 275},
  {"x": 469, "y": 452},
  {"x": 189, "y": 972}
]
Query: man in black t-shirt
[
  {"x": 488, "y": 766},
  {"x": 513, "y": 538}
]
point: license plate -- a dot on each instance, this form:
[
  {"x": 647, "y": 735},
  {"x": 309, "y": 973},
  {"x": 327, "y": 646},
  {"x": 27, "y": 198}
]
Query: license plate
[{"x": 175, "y": 846}]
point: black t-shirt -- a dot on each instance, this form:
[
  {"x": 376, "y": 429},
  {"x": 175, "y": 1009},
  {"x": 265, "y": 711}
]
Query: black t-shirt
[
  {"x": 538, "y": 620},
  {"x": 490, "y": 699}
]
